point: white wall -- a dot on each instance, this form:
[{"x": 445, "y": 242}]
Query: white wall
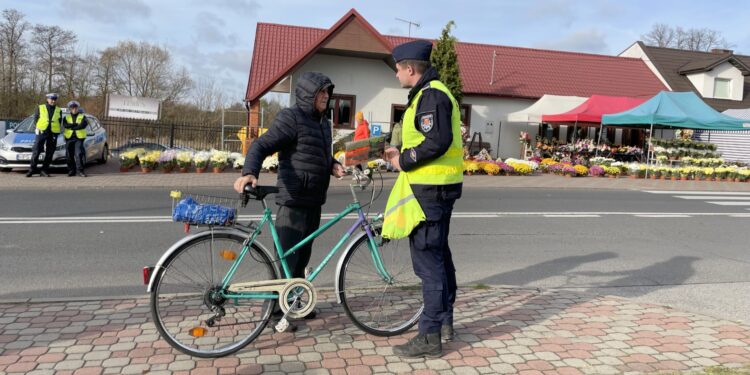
[
  {"x": 704, "y": 82},
  {"x": 637, "y": 52},
  {"x": 372, "y": 82},
  {"x": 487, "y": 115},
  {"x": 376, "y": 89}
]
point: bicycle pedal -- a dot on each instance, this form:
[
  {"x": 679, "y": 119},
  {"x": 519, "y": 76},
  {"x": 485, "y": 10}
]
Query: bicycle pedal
[{"x": 282, "y": 325}]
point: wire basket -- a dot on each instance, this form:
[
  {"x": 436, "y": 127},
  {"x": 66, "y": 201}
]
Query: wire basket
[{"x": 201, "y": 209}]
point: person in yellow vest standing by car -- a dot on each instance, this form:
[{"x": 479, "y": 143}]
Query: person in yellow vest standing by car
[
  {"x": 47, "y": 118},
  {"x": 421, "y": 202},
  {"x": 75, "y": 134}
]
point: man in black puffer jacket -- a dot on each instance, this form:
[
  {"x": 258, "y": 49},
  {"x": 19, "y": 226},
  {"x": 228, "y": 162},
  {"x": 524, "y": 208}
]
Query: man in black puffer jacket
[{"x": 302, "y": 137}]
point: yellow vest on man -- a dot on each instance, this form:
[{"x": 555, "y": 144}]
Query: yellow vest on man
[
  {"x": 403, "y": 212},
  {"x": 67, "y": 133},
  {"x": 43, "y": 122}
]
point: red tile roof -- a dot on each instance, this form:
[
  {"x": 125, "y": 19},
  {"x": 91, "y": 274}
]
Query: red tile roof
[{"x": 519, "y": 72}]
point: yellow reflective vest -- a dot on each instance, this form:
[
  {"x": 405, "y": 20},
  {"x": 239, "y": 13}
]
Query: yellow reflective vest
[
  {"x": 67, "y": 133},
  {"x": 403, "y": 212},
  {"x": 43, "y": 122}
]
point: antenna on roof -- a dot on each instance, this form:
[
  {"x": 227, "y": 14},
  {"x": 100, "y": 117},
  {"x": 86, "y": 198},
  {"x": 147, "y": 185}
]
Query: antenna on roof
[
  {"x": 492, "y": 74},
  {"x": 410, "y": 24}
]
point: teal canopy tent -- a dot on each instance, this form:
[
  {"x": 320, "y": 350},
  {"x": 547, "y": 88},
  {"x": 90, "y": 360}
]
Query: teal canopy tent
[{"x": 683, "y": 110}]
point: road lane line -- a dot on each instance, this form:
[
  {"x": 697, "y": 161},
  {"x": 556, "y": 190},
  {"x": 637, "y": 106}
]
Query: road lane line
[
  {"x": 731, "y": 203},
  {"x": 688, "y": 192},
  {"x": 663, "y": 216},
  {"x": 718, "y": 197}
]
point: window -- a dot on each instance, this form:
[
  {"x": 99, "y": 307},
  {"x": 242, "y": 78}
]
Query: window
[
  {"x": 721, "y": 88},
  {"x": 342, "y": 107}
]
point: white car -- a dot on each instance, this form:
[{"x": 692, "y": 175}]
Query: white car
[{"x": 17, "y": 145}]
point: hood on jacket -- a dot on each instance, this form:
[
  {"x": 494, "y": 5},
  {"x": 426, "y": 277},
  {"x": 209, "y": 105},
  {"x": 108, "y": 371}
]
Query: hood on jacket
[{"x": 310, "y": 83}]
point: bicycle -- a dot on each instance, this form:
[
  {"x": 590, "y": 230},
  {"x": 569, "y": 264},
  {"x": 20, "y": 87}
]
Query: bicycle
[{"x": 206, "y": 301}]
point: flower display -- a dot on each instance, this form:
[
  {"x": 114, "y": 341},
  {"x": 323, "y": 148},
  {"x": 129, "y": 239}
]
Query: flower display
[
  {"x": 184, "y": 159},
  {"x": 150, "y": 159},
  {"x": 271, "y": 163},
  {"x": 128, "y": 159},
  {"x": 596, "y": 170},
  {"x": 491, "y": 169},
  {"x": 201, "y": 159},
  {"x": 581, "y": 170}
]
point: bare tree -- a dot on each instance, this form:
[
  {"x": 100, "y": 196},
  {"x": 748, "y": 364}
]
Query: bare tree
[
  {"x": 694, "y": 39},
  {"x": 142, "y": 69},
  {"x": 52, "y": 44},
  {"x": 12, "y": 50}
]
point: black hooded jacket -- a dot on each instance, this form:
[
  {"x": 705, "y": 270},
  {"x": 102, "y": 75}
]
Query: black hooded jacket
[{"x": 302, "y": 137}]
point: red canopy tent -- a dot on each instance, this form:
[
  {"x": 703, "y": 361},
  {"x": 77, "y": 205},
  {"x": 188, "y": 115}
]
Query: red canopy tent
[{"x": 591, "y": 111}]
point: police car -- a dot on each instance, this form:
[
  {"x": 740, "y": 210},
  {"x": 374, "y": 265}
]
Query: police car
[{"x": 18, "y": 143}]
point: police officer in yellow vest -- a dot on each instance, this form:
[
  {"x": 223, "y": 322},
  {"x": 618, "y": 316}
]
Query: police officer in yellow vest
[
  {"x": 421, "y": 202},
  {"x": 75, "y": 133},
  {"x": 47, "y": 118}
]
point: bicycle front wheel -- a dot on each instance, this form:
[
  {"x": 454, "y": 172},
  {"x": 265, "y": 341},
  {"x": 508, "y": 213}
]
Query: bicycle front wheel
[
  {"x": 379, "y": 290},
  {"x": 187, "y": 305}
]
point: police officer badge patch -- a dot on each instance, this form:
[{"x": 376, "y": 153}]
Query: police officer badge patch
[{"x": 426, "y": 122}]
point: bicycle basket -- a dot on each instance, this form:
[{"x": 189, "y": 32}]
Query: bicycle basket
[{"x": 198, "y": 209}]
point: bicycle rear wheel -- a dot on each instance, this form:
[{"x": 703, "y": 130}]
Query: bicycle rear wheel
[
  {"x": 187, "y": 308},
  {"x": 376, "y": 304}
]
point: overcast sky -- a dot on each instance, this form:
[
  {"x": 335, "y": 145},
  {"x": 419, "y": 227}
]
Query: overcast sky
[{"x": 214, "y": 38}]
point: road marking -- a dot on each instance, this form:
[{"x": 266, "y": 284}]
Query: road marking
[
  {"x": 686, "y": 192},
  {"x": 731, "y": 203},
  {"x": 663, "y": 216},
  {"x": 724, "y": 197},
  {"x": 571, "y": 216}
]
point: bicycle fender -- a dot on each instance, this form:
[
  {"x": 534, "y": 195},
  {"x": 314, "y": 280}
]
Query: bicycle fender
[
  {"x": 340, "y": 263},
  {"x": 191, "y": 237}
]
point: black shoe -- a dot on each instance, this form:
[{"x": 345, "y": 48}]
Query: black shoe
[
  {"x": 29, "y": 173},
  {"x": 422, "y": 345},
  {"x": 71, "y": 174},
  {"x": 446, "y": 333},
  {"x": 81, "y": 174},
  {"x": 44, "y": 174}
]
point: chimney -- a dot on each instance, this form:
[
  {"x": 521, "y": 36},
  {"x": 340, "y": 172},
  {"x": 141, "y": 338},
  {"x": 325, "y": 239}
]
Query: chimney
[{"x": 721, "y": 51}]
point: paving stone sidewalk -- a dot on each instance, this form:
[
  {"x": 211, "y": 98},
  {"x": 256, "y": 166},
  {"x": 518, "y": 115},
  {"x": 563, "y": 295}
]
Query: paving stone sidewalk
[{"x": 500, "y": 330}]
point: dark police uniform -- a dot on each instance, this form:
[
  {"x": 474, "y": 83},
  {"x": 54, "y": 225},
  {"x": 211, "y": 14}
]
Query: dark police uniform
[
  {"x": 435, "y": 170},
  {"x": 48, "y": 123}
]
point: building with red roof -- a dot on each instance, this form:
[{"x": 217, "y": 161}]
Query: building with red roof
[{"x": 496, "y": 79}]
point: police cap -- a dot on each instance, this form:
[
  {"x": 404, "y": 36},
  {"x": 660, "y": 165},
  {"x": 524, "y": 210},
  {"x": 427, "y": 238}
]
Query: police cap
[{"x": 417, "y": 50}]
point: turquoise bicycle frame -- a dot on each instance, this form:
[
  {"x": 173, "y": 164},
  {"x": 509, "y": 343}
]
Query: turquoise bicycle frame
[{"x": 282, "y": 255}]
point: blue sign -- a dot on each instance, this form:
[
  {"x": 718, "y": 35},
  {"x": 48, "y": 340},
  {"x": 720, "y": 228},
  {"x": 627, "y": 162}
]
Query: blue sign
[{"x": 376, "y": 130}]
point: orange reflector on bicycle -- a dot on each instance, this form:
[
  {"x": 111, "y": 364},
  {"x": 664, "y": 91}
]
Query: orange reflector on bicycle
[
  {"x": 228, "y": 254},
  {"x": 197, "y": 332}
]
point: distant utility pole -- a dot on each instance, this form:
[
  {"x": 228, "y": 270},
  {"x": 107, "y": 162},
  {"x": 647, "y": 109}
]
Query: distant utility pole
[{"x": 410, "y": 24}]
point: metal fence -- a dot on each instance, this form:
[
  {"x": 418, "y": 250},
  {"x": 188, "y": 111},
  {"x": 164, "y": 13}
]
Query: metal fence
[{"x": 122, "y": 132}]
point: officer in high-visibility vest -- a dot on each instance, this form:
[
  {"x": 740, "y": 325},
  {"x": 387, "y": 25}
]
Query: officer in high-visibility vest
[
  {"x": 47, "y": 119},
  {"x": 430, "y": 181},
  {"x": 75, "y": 133}
]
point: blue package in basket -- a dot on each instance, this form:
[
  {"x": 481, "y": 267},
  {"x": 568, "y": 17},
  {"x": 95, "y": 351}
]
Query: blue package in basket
[{"x": 190, "y": 211}]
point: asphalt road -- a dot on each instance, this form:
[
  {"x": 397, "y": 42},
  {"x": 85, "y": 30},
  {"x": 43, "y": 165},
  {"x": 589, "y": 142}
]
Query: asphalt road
[{"x": 685, "y": 250}]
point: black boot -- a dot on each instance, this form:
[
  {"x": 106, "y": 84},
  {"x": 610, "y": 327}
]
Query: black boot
[
  {"x": 422, "y": 345},
  {"x": 71, "y": 174},
  {"x": 44, "y": 173},
  {"x": 30, "y": 173},
  {"x": 446, "y": 333}
]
